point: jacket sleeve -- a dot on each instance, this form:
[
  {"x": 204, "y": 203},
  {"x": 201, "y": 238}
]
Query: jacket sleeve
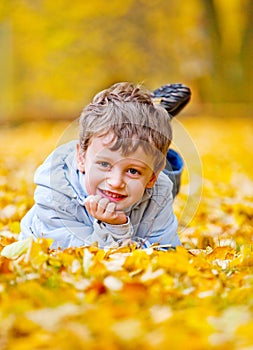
[
  {"x": 64, "y": 227},
  {"x": 110, "y": 235},
  {"x": 164, "y": 228},
  {"x": 158, "y": 223}
]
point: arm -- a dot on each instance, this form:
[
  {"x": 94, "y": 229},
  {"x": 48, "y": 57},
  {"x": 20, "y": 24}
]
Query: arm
[
  {"x": 70, "y": 226},
  {"x": 164, "y": 228}
]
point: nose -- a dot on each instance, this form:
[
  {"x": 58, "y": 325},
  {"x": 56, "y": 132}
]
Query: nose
[{"x": 115, "y": 179}]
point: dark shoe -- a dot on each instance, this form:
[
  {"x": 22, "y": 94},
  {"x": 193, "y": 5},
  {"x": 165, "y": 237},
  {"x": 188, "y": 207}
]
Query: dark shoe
[{"x": 173, "y": 97}]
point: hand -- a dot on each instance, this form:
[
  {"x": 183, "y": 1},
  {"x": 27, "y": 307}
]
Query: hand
[{"x": 104, "y": 210}]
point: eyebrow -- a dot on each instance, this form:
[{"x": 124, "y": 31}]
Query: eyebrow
[
  {"x": 104, "y": 159},
  {"x": 139, "y": 166},
  {"x": 131, "y": 163}
]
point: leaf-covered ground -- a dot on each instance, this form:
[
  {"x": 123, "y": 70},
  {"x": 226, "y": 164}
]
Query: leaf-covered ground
[{"x": 197, "y": 297}]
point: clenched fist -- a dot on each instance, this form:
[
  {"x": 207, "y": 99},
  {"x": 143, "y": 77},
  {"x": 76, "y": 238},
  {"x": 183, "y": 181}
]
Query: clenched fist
[{"x": 104, "y": 210}]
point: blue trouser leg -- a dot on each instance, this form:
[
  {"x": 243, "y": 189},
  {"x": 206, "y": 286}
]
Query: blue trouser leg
[{"x": 174, "y": 168}]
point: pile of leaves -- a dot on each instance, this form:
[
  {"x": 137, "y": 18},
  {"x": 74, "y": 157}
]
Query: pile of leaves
[{"x": 198, "y": 296}]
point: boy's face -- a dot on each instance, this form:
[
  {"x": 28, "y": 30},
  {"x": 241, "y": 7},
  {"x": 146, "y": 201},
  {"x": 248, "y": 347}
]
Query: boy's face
[{"x": 121, "y": 179}]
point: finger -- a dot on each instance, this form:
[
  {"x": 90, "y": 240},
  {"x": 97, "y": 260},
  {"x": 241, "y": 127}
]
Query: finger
[
  {"x": 92, "y": 197},
  {"x": 110, "y": 208},
  {"x": 111, "y": 216},
  {"x": 87, "y": 203},
  {"x": 121, "y": 217},
  {"x": 88, "y": 199},
  {"x": 102, "y": 204},
  {"x": 91, "y": 204},
  {"x": 97, "y": 198}
]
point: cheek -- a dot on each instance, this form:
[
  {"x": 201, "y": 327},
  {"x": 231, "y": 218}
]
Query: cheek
[
  {"x": 88, "y": 186},
  {"x": 93, "y": 178},
  {"x": 136, "y": 187}
]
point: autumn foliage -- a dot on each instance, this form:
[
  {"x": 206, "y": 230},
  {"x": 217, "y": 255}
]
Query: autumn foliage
[
  {"x": 54, "y": 57},
  {"x": 196, "y": 297}
]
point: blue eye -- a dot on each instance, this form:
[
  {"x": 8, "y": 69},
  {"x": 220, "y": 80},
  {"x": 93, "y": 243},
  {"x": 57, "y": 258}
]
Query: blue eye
[{"x": 104, "y": 165}]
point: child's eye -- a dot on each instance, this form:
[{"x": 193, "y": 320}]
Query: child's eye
[
  {"x": 104, "y": 165},
  {"x": 133, "y": 171}
]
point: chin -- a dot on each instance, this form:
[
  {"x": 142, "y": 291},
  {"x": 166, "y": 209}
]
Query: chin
[
  {"x": 120, "y": 207},
  {"x": 123, "y": 207}
]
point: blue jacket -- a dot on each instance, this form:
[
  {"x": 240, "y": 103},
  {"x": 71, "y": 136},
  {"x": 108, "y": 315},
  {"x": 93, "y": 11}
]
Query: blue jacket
[{"x": 59, "y": 212}]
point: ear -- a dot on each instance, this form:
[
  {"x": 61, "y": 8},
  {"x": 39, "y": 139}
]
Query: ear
[
  {"x": 152, "y": 180},
  {"x": 80, "y": 159}
]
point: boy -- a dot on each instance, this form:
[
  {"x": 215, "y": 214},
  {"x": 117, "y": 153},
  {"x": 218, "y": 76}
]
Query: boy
[{"x": 109, "y": 188}]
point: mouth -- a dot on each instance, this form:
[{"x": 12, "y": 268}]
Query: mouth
[{"x": 112, "y": 196}]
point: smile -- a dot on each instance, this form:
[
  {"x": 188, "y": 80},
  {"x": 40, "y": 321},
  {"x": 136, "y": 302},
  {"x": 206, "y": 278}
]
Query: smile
[{"x": 112, "y": 195}]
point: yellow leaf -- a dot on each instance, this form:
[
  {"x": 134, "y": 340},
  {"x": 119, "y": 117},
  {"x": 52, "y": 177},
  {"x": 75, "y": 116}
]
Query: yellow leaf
[{"x": 225, "y": 252}]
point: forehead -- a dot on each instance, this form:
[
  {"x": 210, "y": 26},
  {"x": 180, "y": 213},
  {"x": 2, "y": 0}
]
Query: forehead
[{"x": 100, "y": 146}]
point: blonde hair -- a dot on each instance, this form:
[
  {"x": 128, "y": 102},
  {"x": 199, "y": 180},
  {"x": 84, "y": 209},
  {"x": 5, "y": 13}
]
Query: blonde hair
[{"x": 128, "y": 112}]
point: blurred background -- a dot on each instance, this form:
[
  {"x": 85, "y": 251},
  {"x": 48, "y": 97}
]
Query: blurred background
[{"x": 55, "y": 55}]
